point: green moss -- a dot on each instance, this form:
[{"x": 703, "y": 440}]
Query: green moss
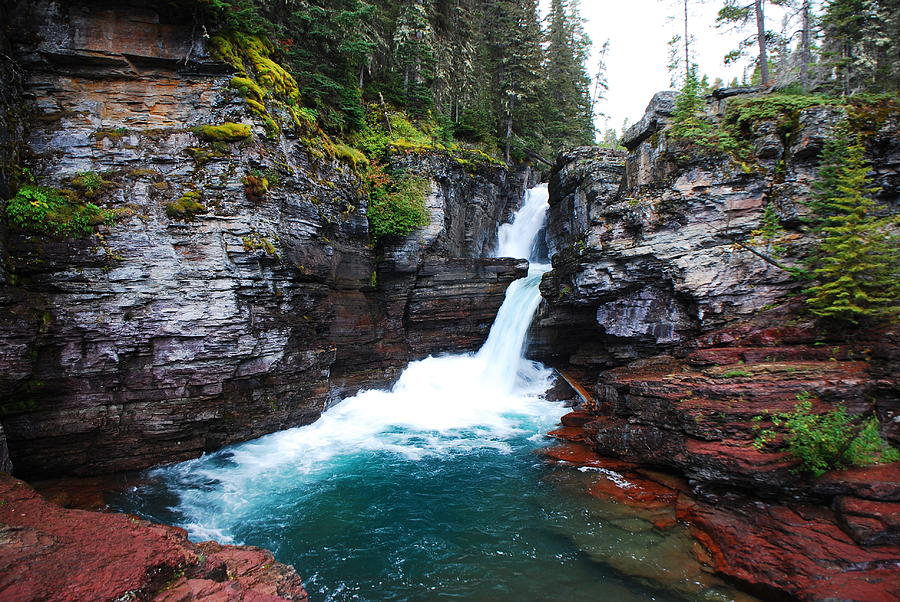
[
  {"x": 113, "y": 134},
  {"x": 227, "y": 132},
  {"x": 45, "y": 210},
  {"x": 223, "y": 48},
  {"x": 91, "y": 184},
  {"x": 269, "y": 74},
  {"x": 186, "y": 207},
  {"x": 397, "y": 205},
  {"x": 351, "y": 155},
  {"x": 736, "y": 374},
  {"x": 202, "y": 156},
  {"x": 248, "y": 88},
  {"x": 257, "y": 242}
]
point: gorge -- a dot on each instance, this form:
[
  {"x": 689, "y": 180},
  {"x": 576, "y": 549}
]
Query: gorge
[{"x": 227, "y": 346}]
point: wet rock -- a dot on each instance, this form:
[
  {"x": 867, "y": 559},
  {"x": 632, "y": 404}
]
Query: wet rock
[
  {"x": 799, "y": 552},
  {"x": 49, "y": 553},
  {"x": 869, "y": 522}
]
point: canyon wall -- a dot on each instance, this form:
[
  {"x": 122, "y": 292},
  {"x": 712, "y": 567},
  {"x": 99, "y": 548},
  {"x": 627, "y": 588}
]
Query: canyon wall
[
  {"x": 207, "y": 312},
  {"x": 665, "y": 300}
]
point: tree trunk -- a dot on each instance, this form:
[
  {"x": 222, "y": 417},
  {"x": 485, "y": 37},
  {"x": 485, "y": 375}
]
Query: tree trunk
[
  {"x": 761, "y": 40},
  {"x": 805, "y": 46}
]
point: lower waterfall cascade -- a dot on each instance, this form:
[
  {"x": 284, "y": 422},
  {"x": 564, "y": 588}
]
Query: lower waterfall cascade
[{"x": 432, "y": 489}]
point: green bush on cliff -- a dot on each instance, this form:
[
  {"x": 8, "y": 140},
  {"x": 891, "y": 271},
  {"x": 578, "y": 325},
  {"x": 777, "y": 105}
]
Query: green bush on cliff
[
  {"x": 186, "y": 207},
  {"x": 45, "y": 210},
  {"x": 831, "y": 440},
  {"x": 396, "y": 204}
]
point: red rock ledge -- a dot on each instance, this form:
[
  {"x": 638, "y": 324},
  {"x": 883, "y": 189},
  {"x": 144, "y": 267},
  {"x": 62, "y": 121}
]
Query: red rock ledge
[{"x": 48, "y": 553}]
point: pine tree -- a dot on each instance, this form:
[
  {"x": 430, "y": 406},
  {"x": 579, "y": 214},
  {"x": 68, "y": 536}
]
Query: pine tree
[
  {"x": 739, "y": 15},
  {"x": 862, "y": 44},
  {"x": 857, "y": 263},
  {"x": 567, "y": 106},
  {"x": 414, "y": 54},
  {"x": 517, "y": 51}
]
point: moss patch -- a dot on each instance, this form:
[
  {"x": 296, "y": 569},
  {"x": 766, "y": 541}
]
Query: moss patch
[
  {"x": 227, "y": 132},
  {"x": 186, "y": 207},
  {"x": 45, "y": 210}
]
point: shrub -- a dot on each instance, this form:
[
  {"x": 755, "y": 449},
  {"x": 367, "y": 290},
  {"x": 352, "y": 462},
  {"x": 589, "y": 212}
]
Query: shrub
[
  {"x": 396, "y": 205},
  {"x": 830, "y": 440},
  {"x": 44, "y": 210},
  {"x": 353, "y": 156},
  {"x": 227, "y": 132}
]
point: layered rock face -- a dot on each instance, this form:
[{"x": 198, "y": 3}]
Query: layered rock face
[
  {"x": 689, "y": 340},
  {"x": 170, "y": 332}
]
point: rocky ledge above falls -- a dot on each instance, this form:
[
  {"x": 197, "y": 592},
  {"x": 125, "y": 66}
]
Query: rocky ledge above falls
[{"x": 49, "y": 553}]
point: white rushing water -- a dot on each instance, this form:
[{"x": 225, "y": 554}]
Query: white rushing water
[{"x": 440, "y": 405}]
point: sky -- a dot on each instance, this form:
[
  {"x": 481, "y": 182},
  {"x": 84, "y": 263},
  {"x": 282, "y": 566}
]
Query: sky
[{"x": 638, "y": 32}]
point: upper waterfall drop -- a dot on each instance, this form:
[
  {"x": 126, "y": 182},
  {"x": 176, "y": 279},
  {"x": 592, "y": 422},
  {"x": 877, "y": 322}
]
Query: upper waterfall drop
[{"x": 517, "y": 238}]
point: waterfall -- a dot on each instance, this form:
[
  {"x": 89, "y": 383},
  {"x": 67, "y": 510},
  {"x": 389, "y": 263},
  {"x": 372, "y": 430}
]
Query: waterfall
[
  {"x": 502, "y": 352},
  {"x": 439, "y": 406}
]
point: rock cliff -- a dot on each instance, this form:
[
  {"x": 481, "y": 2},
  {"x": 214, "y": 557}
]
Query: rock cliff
[
  {"x": 210, "y": 310},
  {"x": 668, "y": 300}
]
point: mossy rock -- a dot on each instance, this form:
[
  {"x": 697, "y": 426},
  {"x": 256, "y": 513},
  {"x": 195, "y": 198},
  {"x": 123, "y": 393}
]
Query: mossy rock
[
  {"x": 186, "y": 207},
  {"x": 227, "y": 132}
]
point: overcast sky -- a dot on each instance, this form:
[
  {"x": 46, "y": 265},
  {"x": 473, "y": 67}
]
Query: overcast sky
[{"x": 638, "y": 32}]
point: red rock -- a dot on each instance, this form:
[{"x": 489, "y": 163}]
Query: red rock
[
  {"x": 879, "y": 482},
  {"x": 51, "y": 553},
  {"x": 636, "y": 492},
  {"x": 571, "y": 433},
  {"x": 775, "y": 550},
  {"x": 577, "y": 418},
  {"x": 869, "y": 522},
  {"x": 582, "y": 455}
]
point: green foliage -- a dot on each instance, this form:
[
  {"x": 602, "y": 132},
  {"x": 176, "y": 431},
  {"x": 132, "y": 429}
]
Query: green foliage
[
  {"x": 186, "y": 207},
  {"x": 827, "y": 441},
  {"x": 480, "y": 71},
  {"x": 44, "y": 210},
  {"x": 857, "y": 261},
  {"x": 227, "y": 132},
  {"x": 689, "y": 120},
  {"x": 736, "y": 374},
  {"x": 350, "y": 155},
  {"x": 396, "y": 204}
]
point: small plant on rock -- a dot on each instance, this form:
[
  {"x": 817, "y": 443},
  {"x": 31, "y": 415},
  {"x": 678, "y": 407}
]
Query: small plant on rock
[{"x": 827, "y": 441}]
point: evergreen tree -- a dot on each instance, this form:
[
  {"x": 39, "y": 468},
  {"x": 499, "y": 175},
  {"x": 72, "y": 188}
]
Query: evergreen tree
[
  {"x": 857, "y": 264},
  {"x": 739, "y": 15},
  {"x": 517, "y": 51},
  {"x": 862, "y": 44},
  {"x": 414, "y": 54},
  {"x": 567, "y": 110}
]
